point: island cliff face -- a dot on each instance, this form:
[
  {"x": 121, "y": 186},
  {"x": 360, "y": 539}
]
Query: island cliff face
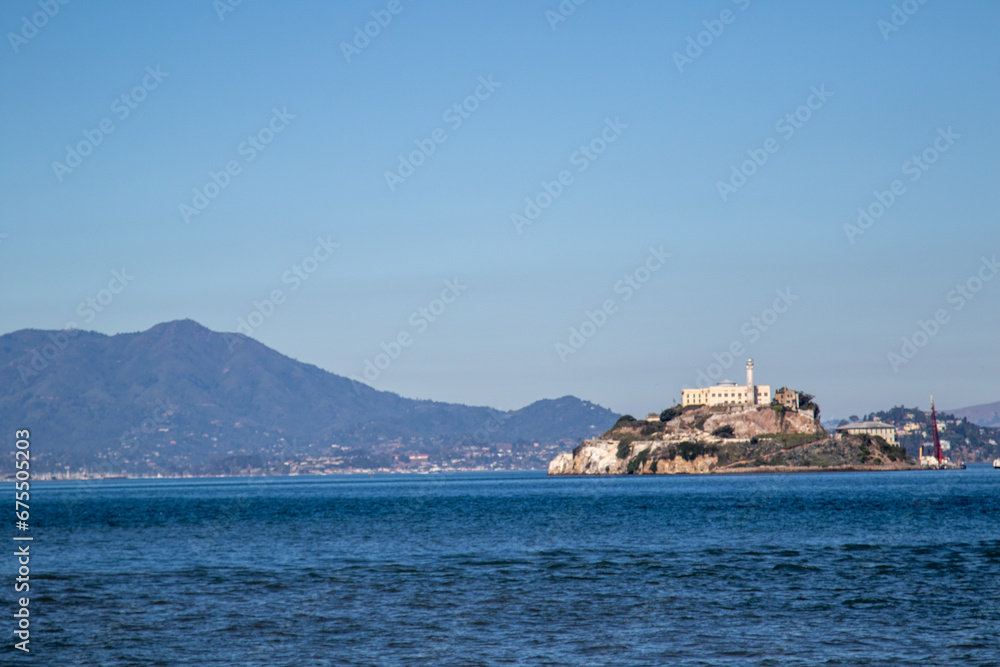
[
  {"x": 600, "y": 457},
  {"x": 700, "y": 440}
]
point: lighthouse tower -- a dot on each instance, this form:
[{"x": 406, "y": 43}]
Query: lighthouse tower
[{"x": 751, "y": 390}]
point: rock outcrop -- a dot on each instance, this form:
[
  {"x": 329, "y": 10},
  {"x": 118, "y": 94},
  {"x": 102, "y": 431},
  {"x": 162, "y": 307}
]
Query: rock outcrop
[
  {"x": 750, "y": 422},
  {"x": 702, "y": 440},
  {"x": 600, "y": 457},
  {"x": 593, "y": 457}
]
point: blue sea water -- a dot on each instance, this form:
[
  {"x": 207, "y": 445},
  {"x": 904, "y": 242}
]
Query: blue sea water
[{"x": 898, "y": 568}]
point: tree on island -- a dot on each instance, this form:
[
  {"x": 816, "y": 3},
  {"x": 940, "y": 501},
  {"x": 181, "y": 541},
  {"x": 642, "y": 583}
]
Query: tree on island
[
  {"x": 806, "y": 403},
  {"x": 671, "y": 413},
  {"x": 624, "y": 420}
]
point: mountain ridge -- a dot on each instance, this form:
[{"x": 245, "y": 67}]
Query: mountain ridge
[
  {"x": 986, "y": 414},
  {"x": 161, "y": 401}
]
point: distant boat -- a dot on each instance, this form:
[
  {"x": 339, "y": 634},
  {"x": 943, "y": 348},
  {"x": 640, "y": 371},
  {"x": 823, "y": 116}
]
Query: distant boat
[{"x": 996, "y": 463}]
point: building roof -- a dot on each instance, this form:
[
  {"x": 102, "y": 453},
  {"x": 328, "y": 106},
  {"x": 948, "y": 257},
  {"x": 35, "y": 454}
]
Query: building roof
[{"x": 865, "y": 425}]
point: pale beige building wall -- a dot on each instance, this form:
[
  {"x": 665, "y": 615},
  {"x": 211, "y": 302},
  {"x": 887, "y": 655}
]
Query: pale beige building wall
[
  {"x": 888, "y": 433},
  {"x": 725, "y": 395}
]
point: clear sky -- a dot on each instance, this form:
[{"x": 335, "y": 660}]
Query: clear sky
[{"x": 622, "y": 122}]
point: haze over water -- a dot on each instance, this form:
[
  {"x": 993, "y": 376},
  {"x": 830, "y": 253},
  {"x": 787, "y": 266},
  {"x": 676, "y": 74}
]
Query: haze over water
[{"x": 521, "y": 569}]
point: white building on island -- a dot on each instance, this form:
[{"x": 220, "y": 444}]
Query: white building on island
[
  {"x": 884, "y": 430},
  {"x": 729, "y": 393}
]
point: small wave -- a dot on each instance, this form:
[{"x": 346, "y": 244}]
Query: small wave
[
  {"x": 866, "y": 602},
  {"x": 793, "y": 567}
]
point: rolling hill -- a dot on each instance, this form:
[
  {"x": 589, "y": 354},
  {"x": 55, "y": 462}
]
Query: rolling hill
[
  {"x": 180, "y": 399},
  {"x": 983, "y": 415}
]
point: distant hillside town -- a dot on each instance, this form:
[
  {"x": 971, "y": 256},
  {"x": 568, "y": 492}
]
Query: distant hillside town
[
  {"x": 960, "y": 438},
  {"x": 180, "y": 400}
]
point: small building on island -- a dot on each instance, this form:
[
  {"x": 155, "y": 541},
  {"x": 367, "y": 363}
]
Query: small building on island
[
  {"x": 882, "y": 429},
  {"x": 787, "y": 398}
]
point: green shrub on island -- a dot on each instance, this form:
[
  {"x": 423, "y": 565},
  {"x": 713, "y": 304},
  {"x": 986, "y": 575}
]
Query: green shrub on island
[
  {"x": 625, "y": 446},
  {"x": 724, "y": 432},
  {"x": 879, "y": 444},
  {"x": 895, "y": 452},
  {"x": 671, "y": 413},
  {"x": 624, "y": 420},
  {"x": 638, "y": 462},
  {"x": 728, "y": 453},
  {"x": 866, "y": 453},
  {"x": 788, "y": 440},
  {"x": 689, "y": 451},
  {"x": 821, "y": 461},
  {"x": 649, "y": 428}
]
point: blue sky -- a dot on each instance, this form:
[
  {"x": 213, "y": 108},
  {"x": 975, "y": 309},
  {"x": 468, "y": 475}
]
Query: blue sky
[{"x": 661, "y": 137}]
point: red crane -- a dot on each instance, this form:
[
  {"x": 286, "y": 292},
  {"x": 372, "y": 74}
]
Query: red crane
[{"x": 938, "y": 454}]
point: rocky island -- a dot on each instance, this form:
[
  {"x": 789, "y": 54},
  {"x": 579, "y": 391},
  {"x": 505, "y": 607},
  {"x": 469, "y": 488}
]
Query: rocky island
[
  {"x": 730, "y": 428},
  {"x": 727, "y": 439}
]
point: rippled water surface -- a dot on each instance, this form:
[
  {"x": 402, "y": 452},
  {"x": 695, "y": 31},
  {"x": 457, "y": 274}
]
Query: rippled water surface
[{"x": 519, "y": 569}]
